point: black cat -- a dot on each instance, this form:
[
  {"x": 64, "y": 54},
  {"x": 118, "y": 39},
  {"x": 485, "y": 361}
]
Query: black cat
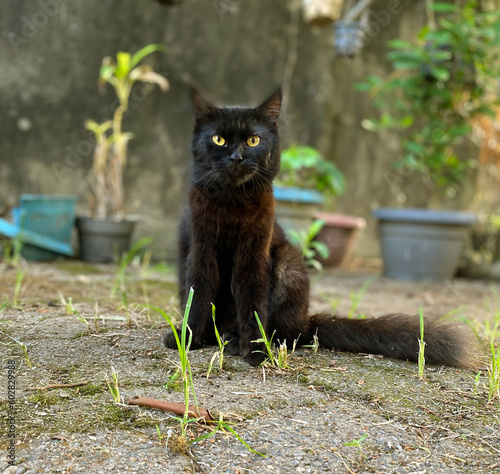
[{"x": 235, "y": 255}]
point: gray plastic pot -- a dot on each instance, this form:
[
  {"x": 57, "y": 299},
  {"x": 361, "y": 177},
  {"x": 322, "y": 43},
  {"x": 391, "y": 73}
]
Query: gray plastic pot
[
  {"x": 101, "y": 240},
  {"x": 422, "y": 244}
]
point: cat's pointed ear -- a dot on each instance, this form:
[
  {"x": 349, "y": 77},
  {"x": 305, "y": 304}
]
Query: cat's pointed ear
[
  {"x": 272, "y": 106},
  {"x": 201, "y": 105}
]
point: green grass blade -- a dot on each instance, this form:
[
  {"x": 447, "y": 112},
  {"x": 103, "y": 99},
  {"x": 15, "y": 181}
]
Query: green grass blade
[
  {"x": 237, "y": 436},
  {"x": 267, "y": 342}
]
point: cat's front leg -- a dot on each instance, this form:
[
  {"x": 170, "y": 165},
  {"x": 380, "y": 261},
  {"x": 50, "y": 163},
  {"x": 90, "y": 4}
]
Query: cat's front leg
[
  {"x": 201, "y": 274},
  {"x": 250, "y": 284}
]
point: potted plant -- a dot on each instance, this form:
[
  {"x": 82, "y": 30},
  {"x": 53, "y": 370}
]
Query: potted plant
[
  {"x": 305, "y": 180},
  {"x": 307, "y": 183},
  {"x": 108, "y": 231},
  {"x": 440, "y": 82}
]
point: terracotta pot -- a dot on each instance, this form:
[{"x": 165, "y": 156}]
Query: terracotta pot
[{"x": 338, "y": 235}]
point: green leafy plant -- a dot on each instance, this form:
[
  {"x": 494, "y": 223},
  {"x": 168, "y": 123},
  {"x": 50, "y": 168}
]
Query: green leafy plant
[
  {"x": 222, "y": 344},
  {"x": 357, "y": 442},
  {"x": 304, "y": 167},
  {"x": 311, "y": 249},
  {"x": 440, "y": 82},
  {"x": 110, "y": 154}
]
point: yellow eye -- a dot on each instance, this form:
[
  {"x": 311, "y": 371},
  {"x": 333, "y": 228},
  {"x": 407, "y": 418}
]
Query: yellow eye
[
  {"x": 218, "y": 140},
  {"x": 254, "y": 140}
]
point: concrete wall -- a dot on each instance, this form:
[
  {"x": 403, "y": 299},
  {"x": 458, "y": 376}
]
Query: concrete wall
[{"x": 237, "y": 50}]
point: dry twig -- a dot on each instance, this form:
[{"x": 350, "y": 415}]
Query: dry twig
[
  {"x": 59, "y": 385},
  {"x": 177, "y": 408}
]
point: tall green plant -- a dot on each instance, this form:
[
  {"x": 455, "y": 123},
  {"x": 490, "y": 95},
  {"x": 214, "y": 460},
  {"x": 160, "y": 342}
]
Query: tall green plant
[
  {"x": 110, "y": 155},
  {"x": 183, "y": 341},
  {"x": 440, "y": 82}
]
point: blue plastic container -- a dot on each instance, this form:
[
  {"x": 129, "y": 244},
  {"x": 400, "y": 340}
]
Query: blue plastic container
[
  {"x": 298, "y": 195},
  {"x": 49, "y": 215}
]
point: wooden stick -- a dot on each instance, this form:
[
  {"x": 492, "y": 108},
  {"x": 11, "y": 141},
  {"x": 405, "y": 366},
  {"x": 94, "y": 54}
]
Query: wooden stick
[
  {"x": 59, "y": 385},
  {"x": 177, "y": 408}
]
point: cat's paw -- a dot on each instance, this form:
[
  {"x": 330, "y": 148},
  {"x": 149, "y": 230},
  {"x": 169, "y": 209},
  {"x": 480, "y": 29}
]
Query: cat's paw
[
  {"x": 169, "y": 340},
  {"x": 255, "y": 358},
  {"x": 233, "y": 345}
]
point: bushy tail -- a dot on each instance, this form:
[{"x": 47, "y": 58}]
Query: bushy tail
[{"x": 397, "y": 335}]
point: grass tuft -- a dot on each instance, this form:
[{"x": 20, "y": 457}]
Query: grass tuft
[
  {"x": 494, "y": 374},
  {"x": 222, "y": 344},
  {"x": 113, "y": 386},
  {"x": 277, "y": 355},
  {"x": 421, "y": 345}
]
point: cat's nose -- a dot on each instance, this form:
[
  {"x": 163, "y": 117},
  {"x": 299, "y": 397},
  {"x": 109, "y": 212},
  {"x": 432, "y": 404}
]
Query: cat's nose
[{"x": 235, "y": 158}]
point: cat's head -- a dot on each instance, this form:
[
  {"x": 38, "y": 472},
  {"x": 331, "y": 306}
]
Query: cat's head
[{"x": 234, "y": 147}]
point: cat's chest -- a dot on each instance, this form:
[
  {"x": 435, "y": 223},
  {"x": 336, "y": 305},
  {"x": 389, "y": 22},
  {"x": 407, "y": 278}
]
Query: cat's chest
[
  {"x": 225, "y": 222},
  {"x": 232, "y": 218}
]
